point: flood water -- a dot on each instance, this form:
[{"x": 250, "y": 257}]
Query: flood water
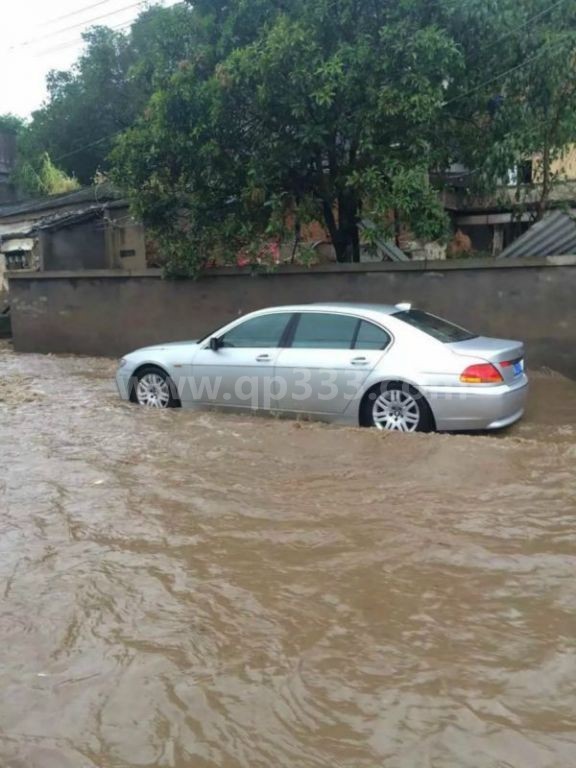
[{"x": 185, "y": 590}]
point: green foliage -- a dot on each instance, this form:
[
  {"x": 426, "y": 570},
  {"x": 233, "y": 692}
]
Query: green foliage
[
  {"x": 43, "y": 178},
  {"x": 233, "y": 123},
  {"x": 528, "y": 110},
  {"x": 10, "y": 123},
  {"x": 105, "y": 91},
  {"x": 313, "y": 110}
]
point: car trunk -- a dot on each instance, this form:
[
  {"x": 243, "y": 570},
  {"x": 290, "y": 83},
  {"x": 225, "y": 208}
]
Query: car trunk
[{"x": 506, "y": 355}]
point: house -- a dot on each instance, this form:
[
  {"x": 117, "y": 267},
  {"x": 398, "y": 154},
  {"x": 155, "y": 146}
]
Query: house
[
  {"x": 492, "y": 223},
  {"x": 90, "y": 228}
]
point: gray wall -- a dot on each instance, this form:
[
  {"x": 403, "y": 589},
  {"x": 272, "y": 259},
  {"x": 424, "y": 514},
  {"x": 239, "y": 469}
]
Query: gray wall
[
  {"x": 110, "y": 313},
  {"x": 80, "y": 246}
]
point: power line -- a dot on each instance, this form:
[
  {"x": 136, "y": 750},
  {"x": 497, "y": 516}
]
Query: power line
[
  {"x": 76, "y": 26},
  {"x": 76, "y": 41},
  {"x": 88, "y": 146},
  {"x": 495, "y": 79},
  {"x": 520, "y": 27},
  {"x": 74, "y": 13}
]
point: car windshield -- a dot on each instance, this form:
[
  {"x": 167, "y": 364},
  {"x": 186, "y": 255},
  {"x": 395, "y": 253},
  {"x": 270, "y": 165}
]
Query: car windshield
[{"x": 440, "y": 329}]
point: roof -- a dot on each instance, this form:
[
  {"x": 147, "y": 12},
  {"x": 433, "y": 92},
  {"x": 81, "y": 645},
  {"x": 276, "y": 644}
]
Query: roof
[
  {"x": 385, "y": 248},
  {"x": 382, "y": 309},
  {"x": 16, "y": 228},
  {"x": 16, "y": 245},
  {"x": 96, "y": 195},
  {"x": 555, "y": 235},
  {"x": 69, "y": 218}
]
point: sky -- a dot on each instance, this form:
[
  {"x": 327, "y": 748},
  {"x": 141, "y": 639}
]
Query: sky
[{"x": 38, "y": 36}]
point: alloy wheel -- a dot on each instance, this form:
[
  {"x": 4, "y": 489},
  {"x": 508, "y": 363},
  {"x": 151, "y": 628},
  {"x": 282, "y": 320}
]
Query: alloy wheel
[
  {"x": 153, "y": 391},
  {"x": 397, "y": 411}
]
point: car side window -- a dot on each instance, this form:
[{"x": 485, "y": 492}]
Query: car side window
[
  {"x": 258, "y": 332},
  {"x": 322, "y": 330},
  {"x": 371, "y": 336}
]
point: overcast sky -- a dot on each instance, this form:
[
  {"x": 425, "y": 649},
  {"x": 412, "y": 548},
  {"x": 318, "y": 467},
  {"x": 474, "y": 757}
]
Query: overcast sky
[{"x": 37, "y": 38}]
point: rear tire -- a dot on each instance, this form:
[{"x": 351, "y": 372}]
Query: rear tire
[
  {"x": 151, "y": 387},
  {"x": 395, "y": 406}
]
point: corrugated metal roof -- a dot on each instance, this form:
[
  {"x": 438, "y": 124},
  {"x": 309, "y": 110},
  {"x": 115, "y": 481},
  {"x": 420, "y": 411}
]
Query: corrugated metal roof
[
  {"x": 387, "y": 249},
  {"x": 555, "y": 235},
  {"x": 391, "y": 250}
]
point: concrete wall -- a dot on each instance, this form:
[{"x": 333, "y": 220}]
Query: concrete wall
[
  {"x": 126, "y": 242},
  {"x": 112, "y": 313},
  {"x": 81, "y": 245}
]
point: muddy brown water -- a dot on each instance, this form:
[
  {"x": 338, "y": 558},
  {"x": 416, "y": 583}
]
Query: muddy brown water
[{"x": 185, "y": 590}]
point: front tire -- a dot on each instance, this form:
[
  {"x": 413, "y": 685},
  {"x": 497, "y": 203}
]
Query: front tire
[
  {"x": 153, "y": 388},
  {"x": 396, "y": 407}
]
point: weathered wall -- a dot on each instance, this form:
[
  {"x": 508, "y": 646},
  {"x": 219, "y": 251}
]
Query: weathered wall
[
  {"x": 110, "y": 313},
  {"x": 80, "y": 245}
]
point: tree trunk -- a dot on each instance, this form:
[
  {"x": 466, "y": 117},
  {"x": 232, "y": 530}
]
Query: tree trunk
[
  {"x": 348, "y": 238},
  {"x": 545, "y": 194},
  {"x": 344, "y": 233}
]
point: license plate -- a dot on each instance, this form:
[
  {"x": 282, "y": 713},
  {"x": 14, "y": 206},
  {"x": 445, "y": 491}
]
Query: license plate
[{"x": 519, "y": 368}]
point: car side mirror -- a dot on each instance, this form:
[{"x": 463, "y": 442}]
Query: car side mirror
[{"x": 215, "y": 344}]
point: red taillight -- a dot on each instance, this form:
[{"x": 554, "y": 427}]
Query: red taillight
[{"x": 483, "y": 373}]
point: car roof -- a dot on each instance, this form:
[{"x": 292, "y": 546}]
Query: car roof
[{"x": 382, "y": 309}]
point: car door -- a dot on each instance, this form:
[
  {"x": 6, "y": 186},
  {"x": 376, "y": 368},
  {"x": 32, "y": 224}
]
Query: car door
[
  {"x": 239, "y": 373},
  {"x": 328, "y": 358}
]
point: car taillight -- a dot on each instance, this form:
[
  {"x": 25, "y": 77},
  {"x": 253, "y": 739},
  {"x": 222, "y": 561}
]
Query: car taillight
[{"x": 483, "y": 373}]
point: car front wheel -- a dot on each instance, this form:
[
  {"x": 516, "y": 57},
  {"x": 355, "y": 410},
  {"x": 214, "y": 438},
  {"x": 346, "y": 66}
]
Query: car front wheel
[
  {"x": 396, "y": 407},
  {"x": 153, "y": 388}
]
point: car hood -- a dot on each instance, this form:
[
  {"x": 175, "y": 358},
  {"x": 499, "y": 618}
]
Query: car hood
[{"x": 168, "y": 345}]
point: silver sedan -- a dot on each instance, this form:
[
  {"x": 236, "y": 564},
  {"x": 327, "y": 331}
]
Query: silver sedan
[{"x": 391, "y": 367}]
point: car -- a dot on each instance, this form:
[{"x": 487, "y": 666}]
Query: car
[{"x": 393, "y": 367}]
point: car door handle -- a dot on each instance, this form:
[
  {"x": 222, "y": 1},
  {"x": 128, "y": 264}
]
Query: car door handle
[
  {"x": 263, "y": 359},
  {"x": 360, "y": 361}
]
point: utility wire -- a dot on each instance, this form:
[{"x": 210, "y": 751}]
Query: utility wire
[
  {"x": 522, "y": 64},
  {"x": 74, "y": 13},
  {"x": 445, "y": 104},
  {"x": 76, "y": 26},
  {"x": 522, "y": 26},
  {"x": 76, "y": 41},
  {"x": 495, "y": 79},
  {"x": 88, "y": 146}
]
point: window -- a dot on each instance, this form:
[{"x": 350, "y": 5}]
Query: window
[
  {"x": 370, "y": 336},
  {"x": 440, "y": 329},
  {"x": 317, "y": 330},
  {"x": 16, "y": 260},
  {"x": 263, "y": 331}
]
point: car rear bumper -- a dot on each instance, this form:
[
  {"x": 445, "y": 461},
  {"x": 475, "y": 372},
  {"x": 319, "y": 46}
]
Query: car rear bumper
[{"x": 469, "y": 408}]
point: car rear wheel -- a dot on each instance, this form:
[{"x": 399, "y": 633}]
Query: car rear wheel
[
  {"x": 396, "y": 407},
  {"x": 153, "y": 388}
]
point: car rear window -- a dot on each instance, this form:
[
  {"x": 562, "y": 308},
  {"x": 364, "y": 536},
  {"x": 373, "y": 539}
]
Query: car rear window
[{"x": 440, "y": 329}]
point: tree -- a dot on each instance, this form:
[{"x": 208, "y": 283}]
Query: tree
[
  {"x": 525, "y": 115},
  {"x": 105, "y": 91},
  {"x": 10, "y": 123},
  {"x": 86, "y": 106},
  {"x": 300, "y": 111}
]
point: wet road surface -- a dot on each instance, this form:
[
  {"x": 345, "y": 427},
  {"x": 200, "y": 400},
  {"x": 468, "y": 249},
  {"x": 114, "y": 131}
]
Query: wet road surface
[{"x": 187, "y": 590}]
